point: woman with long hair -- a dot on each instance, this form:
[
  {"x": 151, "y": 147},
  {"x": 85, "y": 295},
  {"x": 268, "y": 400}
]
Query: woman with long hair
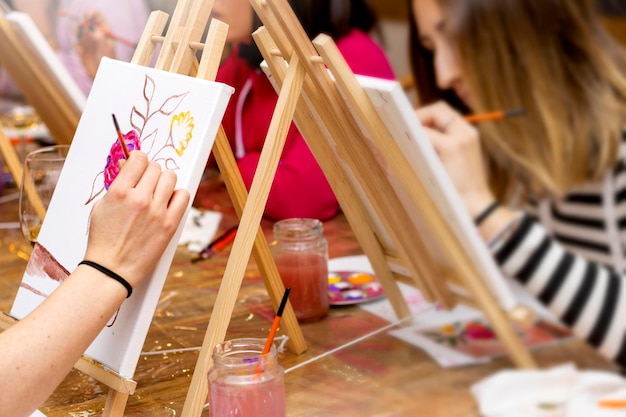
[{"x": 548, "y": 186}]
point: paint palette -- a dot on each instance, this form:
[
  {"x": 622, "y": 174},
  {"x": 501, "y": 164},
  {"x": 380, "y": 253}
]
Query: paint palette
[{"x": 353, "y": 287}]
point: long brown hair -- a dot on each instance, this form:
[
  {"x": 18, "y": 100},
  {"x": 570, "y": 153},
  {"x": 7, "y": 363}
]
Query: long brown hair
[{"x": 554, "y": 59}]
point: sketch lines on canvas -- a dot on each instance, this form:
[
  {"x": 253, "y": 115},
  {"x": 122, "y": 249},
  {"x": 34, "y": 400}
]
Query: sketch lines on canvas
[{"x": 145, "y": 119}]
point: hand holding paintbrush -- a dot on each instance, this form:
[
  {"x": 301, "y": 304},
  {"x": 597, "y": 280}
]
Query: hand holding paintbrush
[
  {"x": 95, "y": 39},
  {"x": 92, "y": 21}
]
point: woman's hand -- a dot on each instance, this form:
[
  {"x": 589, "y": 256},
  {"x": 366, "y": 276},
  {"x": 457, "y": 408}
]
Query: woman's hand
[
  {"x": 133, "y": 223},
  {"x": 94, "y": 41},
  {"x": 458, "y": 145}
]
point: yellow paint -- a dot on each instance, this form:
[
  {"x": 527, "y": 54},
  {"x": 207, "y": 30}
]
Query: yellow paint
[{"x": 186, "y": 121}]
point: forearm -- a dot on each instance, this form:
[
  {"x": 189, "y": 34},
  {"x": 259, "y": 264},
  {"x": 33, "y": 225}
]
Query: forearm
[
  {"x": 129, "y": 229},
  {"x": 55, "y": 335},
  {"x": 584, "y": 295}
]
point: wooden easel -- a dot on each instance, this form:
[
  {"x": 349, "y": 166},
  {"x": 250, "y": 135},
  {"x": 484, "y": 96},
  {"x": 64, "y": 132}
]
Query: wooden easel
[
  {"x": 185, "y": 29},
  {"x": 395, "y": 247},
  {"x": 309, "y": 95},
  {"x": 57, "y": 105},
  {"x": 11, "y": 159}
]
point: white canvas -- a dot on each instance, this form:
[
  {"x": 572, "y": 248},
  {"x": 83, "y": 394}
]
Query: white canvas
[
  {"x": 177, "y": 118},
  {"x": 399, "y": 117}
]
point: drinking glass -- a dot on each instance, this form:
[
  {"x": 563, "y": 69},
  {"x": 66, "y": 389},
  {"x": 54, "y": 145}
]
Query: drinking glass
[
  {"x": 42, "y": 168},
  {"x": 22, "y": 120}
]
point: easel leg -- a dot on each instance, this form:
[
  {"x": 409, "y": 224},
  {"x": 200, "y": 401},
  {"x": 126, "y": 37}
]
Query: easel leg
[
  {"x": 115, "y": 404},
  {"x": 244, "y": 241},
  {"x": 16, "y": 169},
  {"x": 238, "y": 194},
  {"x": 227, "y": 163}
]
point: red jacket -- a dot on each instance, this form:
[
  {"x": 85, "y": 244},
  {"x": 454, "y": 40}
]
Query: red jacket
[{"x": 300, "y": 188}]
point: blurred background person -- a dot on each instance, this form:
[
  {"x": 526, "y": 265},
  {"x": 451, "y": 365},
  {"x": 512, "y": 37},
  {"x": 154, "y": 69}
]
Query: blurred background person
[
  {"x": 83, "y": 31},
  {"x": 546, "y": 189}
]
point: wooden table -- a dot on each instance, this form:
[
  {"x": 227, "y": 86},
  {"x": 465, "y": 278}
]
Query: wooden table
[{"x": 378, "y": 376}]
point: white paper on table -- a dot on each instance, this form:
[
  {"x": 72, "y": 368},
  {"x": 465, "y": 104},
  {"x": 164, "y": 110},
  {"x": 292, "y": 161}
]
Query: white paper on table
[
  {"x": 200, "y": 228},
  {"x": 561, "y": 391},
  {"x": 427, "y": 316},
  {"x": 444, "y": 356}
]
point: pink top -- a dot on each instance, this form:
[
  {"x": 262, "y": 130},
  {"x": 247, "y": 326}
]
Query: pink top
[{"x": 300, "y": 188}]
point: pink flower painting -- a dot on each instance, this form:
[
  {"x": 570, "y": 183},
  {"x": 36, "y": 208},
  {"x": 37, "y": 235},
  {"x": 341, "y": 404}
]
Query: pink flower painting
[
  {"x": 112, "y": 167},
  {"x": 162, "y": 128}
]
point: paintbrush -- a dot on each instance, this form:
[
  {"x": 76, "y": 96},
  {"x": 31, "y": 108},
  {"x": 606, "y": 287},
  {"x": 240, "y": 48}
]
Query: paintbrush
[
  {"x": 276, "y": 322},
  {"x": 612, "y": 403},
  {"x": 495, "y": 115},
  {"x": 216, "y": 245},
  {"x": 120, "y": 137}
]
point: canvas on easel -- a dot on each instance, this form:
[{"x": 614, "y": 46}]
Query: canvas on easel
[
  {"x": 390, "y": 184},
  {"x": 40, "y": 75},
  {"x": 175, "y": 119}
]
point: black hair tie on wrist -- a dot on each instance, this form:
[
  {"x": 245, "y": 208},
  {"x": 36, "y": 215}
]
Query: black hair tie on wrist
[
  {"x": 486, "y": 213},
  {"x": 109, "y": 273}
]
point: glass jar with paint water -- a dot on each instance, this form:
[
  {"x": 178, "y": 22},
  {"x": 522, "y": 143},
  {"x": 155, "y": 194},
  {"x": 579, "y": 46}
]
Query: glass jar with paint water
[
  {"x": 301, "y": 255},
  {"x": 243, "y": 382}
]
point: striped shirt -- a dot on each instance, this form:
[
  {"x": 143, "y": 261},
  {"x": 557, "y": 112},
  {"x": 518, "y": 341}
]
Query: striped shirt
[{"x": 570, "y": 255}]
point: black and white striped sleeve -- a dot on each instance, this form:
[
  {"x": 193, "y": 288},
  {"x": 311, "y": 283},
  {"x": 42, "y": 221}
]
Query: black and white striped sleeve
[{"x": 586, "y": 296}]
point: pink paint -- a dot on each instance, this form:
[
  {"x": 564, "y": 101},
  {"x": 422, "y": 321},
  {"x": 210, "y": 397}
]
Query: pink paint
[
  {"x": 262, "y": 399},
  {"x": 307, "y": 275},
  {"x": 243, "y": 382},
  {"x": 116, "y": 154},
  {"x": 43, "y": 265}
]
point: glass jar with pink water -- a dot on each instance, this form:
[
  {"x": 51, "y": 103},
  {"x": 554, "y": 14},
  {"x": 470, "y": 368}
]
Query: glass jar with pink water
[
  {"x": 245, "y": 383},
  {"x": 301, "y": 255}
]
